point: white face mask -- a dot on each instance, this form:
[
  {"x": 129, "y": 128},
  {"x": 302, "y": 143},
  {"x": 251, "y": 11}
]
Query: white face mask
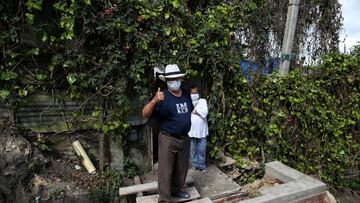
[
  {"x": 195, "y": 96},
  {"x": 174, "y": 85}
]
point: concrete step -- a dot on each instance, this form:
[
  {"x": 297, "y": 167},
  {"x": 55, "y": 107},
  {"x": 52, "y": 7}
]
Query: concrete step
[
  {"x": 154, "y": 198},
  {"x": 214, "y": 184}
]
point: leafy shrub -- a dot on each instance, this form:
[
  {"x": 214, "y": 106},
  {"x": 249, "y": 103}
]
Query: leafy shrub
[
  {"x": 109, "y": 188},
  {"x": 130, "y": 167}
]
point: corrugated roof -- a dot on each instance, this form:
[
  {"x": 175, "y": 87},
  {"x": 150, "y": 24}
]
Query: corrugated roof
[{"x": 43, "y": 113}]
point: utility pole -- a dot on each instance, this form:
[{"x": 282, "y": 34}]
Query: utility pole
[{"x": 286, "y": 54}]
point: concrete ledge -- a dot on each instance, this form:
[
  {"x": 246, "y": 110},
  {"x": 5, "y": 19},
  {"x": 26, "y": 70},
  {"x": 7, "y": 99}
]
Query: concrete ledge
[
  {"x": 297, "y": 186},
  {"x": 284, "y": 173}
]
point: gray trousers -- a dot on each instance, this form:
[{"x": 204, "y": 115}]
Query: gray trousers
[{"x": 173, "y": 165}]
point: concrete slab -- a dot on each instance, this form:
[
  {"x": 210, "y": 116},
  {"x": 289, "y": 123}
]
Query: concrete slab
[
  {"x": 154, "y": 198},
  {"x": 301, "y": 188},
  {"x": 284, "y": 173},
  {"x": 297, "y": 186},
  {"x": 214, "y": 183}
]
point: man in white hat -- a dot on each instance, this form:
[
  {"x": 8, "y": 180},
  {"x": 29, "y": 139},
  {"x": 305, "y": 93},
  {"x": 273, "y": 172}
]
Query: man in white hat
[{"x": 173, "y": 108}]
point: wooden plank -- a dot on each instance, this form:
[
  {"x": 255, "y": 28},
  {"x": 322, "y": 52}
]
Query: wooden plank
[
  {"x": 153, "y": 186},
  {"x": 194, "y": 194},
  {"x": 138, "y": 188}
]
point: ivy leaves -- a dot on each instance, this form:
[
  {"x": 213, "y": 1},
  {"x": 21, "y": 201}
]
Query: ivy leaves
[
  {"x": 4, "y": 94},
  {"x": 71, "y": 78},
  {"x": 32, "y": 5},
  {"x": 176, "y": 3},
  {"x": 8, "y": 75},
  {"x": 309, "y": 121}
]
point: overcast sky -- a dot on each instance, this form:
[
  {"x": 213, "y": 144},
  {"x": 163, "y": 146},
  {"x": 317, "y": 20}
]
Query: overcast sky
[{"x": 351, "y": 27}]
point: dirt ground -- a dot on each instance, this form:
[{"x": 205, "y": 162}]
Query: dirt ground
[
  {"x": 61, "y": 179},
  {"x": 31, "y": 171}
]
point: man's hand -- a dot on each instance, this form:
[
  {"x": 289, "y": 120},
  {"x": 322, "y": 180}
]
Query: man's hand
[
  {"x": 148, "y": 108},
  {"x": 159, "y": 96}
]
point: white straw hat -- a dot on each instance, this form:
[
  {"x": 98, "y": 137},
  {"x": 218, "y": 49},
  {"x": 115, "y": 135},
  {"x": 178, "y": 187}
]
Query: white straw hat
[{"x": 171, "y": 71}]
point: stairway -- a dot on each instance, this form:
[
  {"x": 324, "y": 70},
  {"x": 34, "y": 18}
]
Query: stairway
[
  {"x": 211, "y": 186},
  {"x": 147, "y": 187},
  {"x": 194, "y": 197}
]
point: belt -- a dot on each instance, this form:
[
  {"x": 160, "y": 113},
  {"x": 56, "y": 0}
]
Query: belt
[{"x": 179, "y": 137}]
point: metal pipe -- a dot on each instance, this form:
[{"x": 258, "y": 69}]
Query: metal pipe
[{"x": 288, "y": 40}]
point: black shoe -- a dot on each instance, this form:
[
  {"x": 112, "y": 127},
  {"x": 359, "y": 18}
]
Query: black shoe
[
  {"x": 181, "y": 194},
  {"x": 203, "y": 170}
]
